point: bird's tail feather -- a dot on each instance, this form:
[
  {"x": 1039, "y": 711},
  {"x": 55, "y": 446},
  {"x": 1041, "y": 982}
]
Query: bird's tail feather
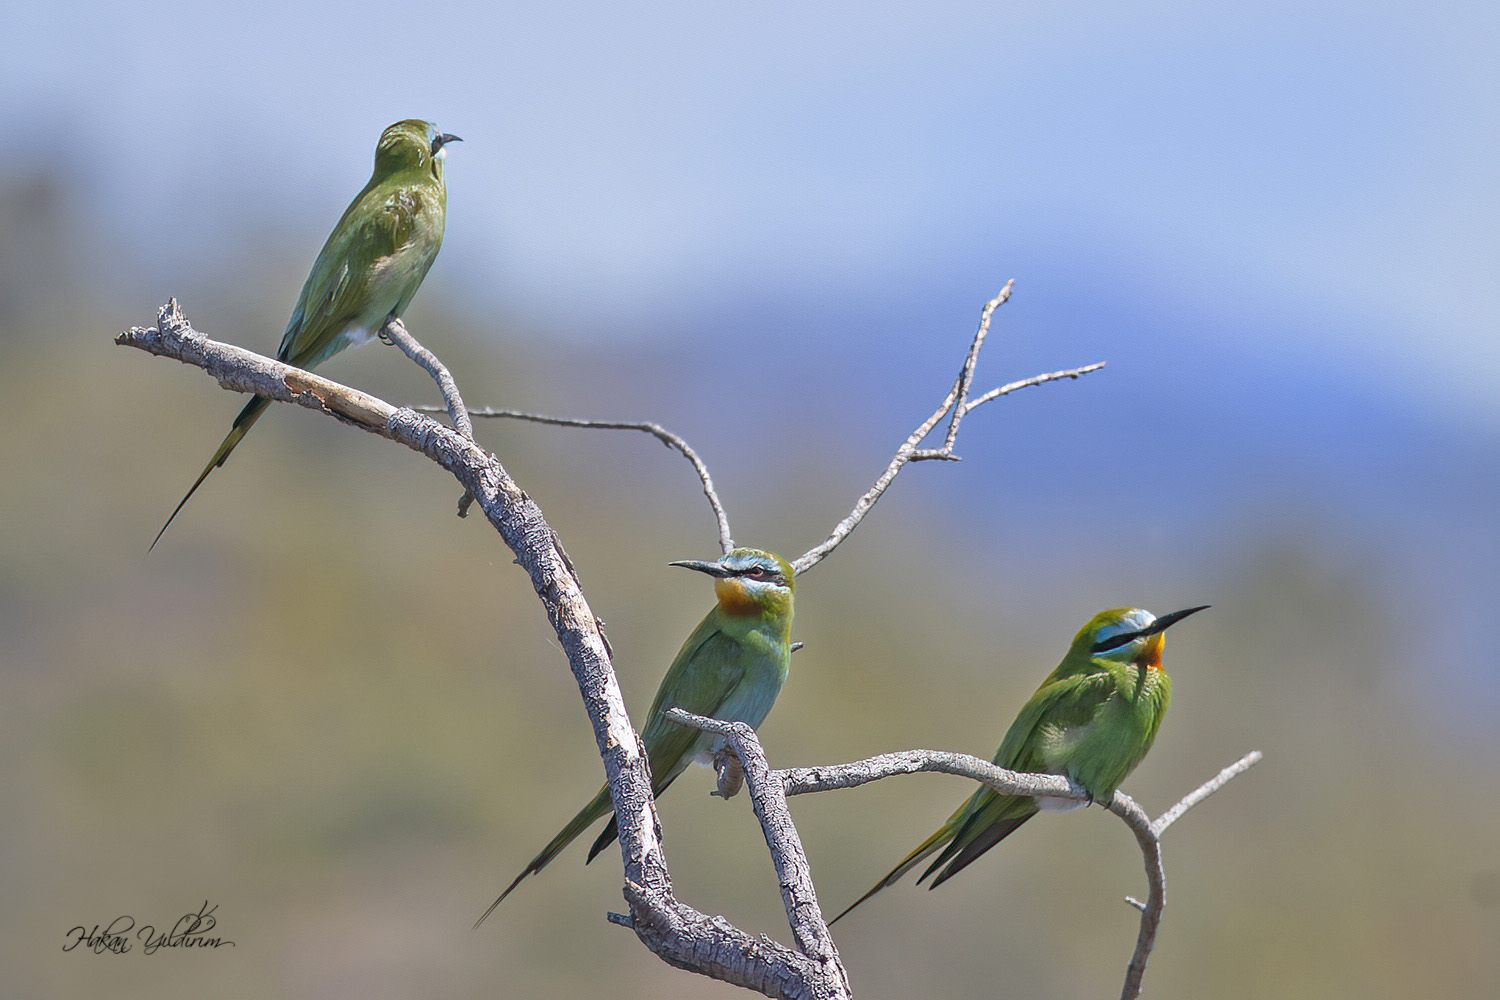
[
  {"x": 242, "y": 425},
  {"x": 598, "y": 806},
  {"x": 960, "y": 853},
  {"x": 927, "y": 846}
]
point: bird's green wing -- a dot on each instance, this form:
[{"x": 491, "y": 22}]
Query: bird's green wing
[
  {"x": 987, "y": 817},
  {"x": 1066, "y": 700},
  {"x": 707, "y": 671},
  {"x": 708, "y": 668},
  {"x": 350, "y": 284}
]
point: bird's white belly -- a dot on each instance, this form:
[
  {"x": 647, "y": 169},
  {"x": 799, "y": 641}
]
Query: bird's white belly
[
  {"x": 359, "y": 336},
  {"x": 1052, "y": 804}
]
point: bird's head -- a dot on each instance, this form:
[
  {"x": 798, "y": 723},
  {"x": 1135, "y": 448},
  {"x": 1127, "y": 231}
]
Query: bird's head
[
  {"x": 749, "y": 581},
  {"x": 1129, "y": 635},
  {"x": 412, "y": 145}
]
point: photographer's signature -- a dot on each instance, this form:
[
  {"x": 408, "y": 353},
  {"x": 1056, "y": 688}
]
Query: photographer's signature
[{"x": 120, "y": 935}]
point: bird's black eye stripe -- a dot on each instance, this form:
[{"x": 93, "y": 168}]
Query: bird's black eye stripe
[{"x": 1115, "y": 642}]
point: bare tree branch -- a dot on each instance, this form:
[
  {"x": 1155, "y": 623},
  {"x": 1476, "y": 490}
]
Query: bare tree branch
[
  {"x": 1148, "y": 835},
  {"x": 768, "y": 798},
  {"x": 680, "y": 935},
  {"x": 394, "y": 332},
  {"x": 677, "y": 933},
  {"x": 956, "y": 403},
  {"x": 1135, "y": 817},
  {"x": 666, "y": 437},
  {"x": 802, "y": 780}
]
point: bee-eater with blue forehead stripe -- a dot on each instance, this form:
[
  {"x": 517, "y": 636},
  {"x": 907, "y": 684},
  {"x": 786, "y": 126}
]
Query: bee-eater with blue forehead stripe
[
  {"x": 1093, "y": 719},
  {"x": 731, "y": 668},
  {"x": 371, "y": 266}
]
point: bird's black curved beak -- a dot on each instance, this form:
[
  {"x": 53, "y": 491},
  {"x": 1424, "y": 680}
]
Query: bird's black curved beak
[
  {"x": 1167, "y": 621},
  {"x": 442, "y": 141},
  {"x": 711, "y": 568}
]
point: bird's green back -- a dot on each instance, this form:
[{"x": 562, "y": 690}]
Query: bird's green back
[
  {"x": 379, "y": 253},
  {"x": 370, "y": 267}
]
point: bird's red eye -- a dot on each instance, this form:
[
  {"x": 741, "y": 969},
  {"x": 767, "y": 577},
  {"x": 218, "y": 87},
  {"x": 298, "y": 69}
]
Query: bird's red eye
[{"x": 756, "y": 572}]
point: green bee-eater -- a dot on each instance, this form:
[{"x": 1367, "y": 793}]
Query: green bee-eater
[
  {"x": 731, "y": 668},
  {"x": 371, "y": 266},
  {"x": 1093, "y": 719}
]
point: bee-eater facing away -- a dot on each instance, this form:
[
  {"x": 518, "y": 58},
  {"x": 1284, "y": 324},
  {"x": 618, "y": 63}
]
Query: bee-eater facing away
[
  {"x": 1093, "y": 719},
  {"x": 731, "y": 668},
  {"x": 371, "y": 266}
]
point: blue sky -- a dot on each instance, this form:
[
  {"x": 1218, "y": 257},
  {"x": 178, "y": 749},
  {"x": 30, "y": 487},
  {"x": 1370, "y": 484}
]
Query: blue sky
[{"x": 1332, "y": 161}]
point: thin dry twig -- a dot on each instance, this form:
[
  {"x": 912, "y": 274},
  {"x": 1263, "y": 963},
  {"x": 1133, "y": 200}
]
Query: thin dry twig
[
  {"x": 394, "y": 332},
  {"x": 958, "y": 404},
  {"x": 1135, "y": 817},
  {"x": 971, "y": 362},
  {"x": 1218, "y": 781},
  {"x": 666, "y": 437},
  {"x": 1148, "y": 835}
]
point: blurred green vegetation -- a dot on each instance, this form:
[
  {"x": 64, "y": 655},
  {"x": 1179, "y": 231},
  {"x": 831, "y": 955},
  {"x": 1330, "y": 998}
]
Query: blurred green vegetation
[{"x": 335, "y": 711}]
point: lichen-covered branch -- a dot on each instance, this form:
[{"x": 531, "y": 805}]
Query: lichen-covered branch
[{"x": 768, "y": 798}]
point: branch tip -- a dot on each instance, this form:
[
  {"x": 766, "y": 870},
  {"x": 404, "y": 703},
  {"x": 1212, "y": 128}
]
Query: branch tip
[{"x": 956, "y": 405}]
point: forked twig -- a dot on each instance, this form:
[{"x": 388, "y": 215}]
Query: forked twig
[
  {"x": 955, "y": 406},
  {"x": 959, "y": 405}
]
